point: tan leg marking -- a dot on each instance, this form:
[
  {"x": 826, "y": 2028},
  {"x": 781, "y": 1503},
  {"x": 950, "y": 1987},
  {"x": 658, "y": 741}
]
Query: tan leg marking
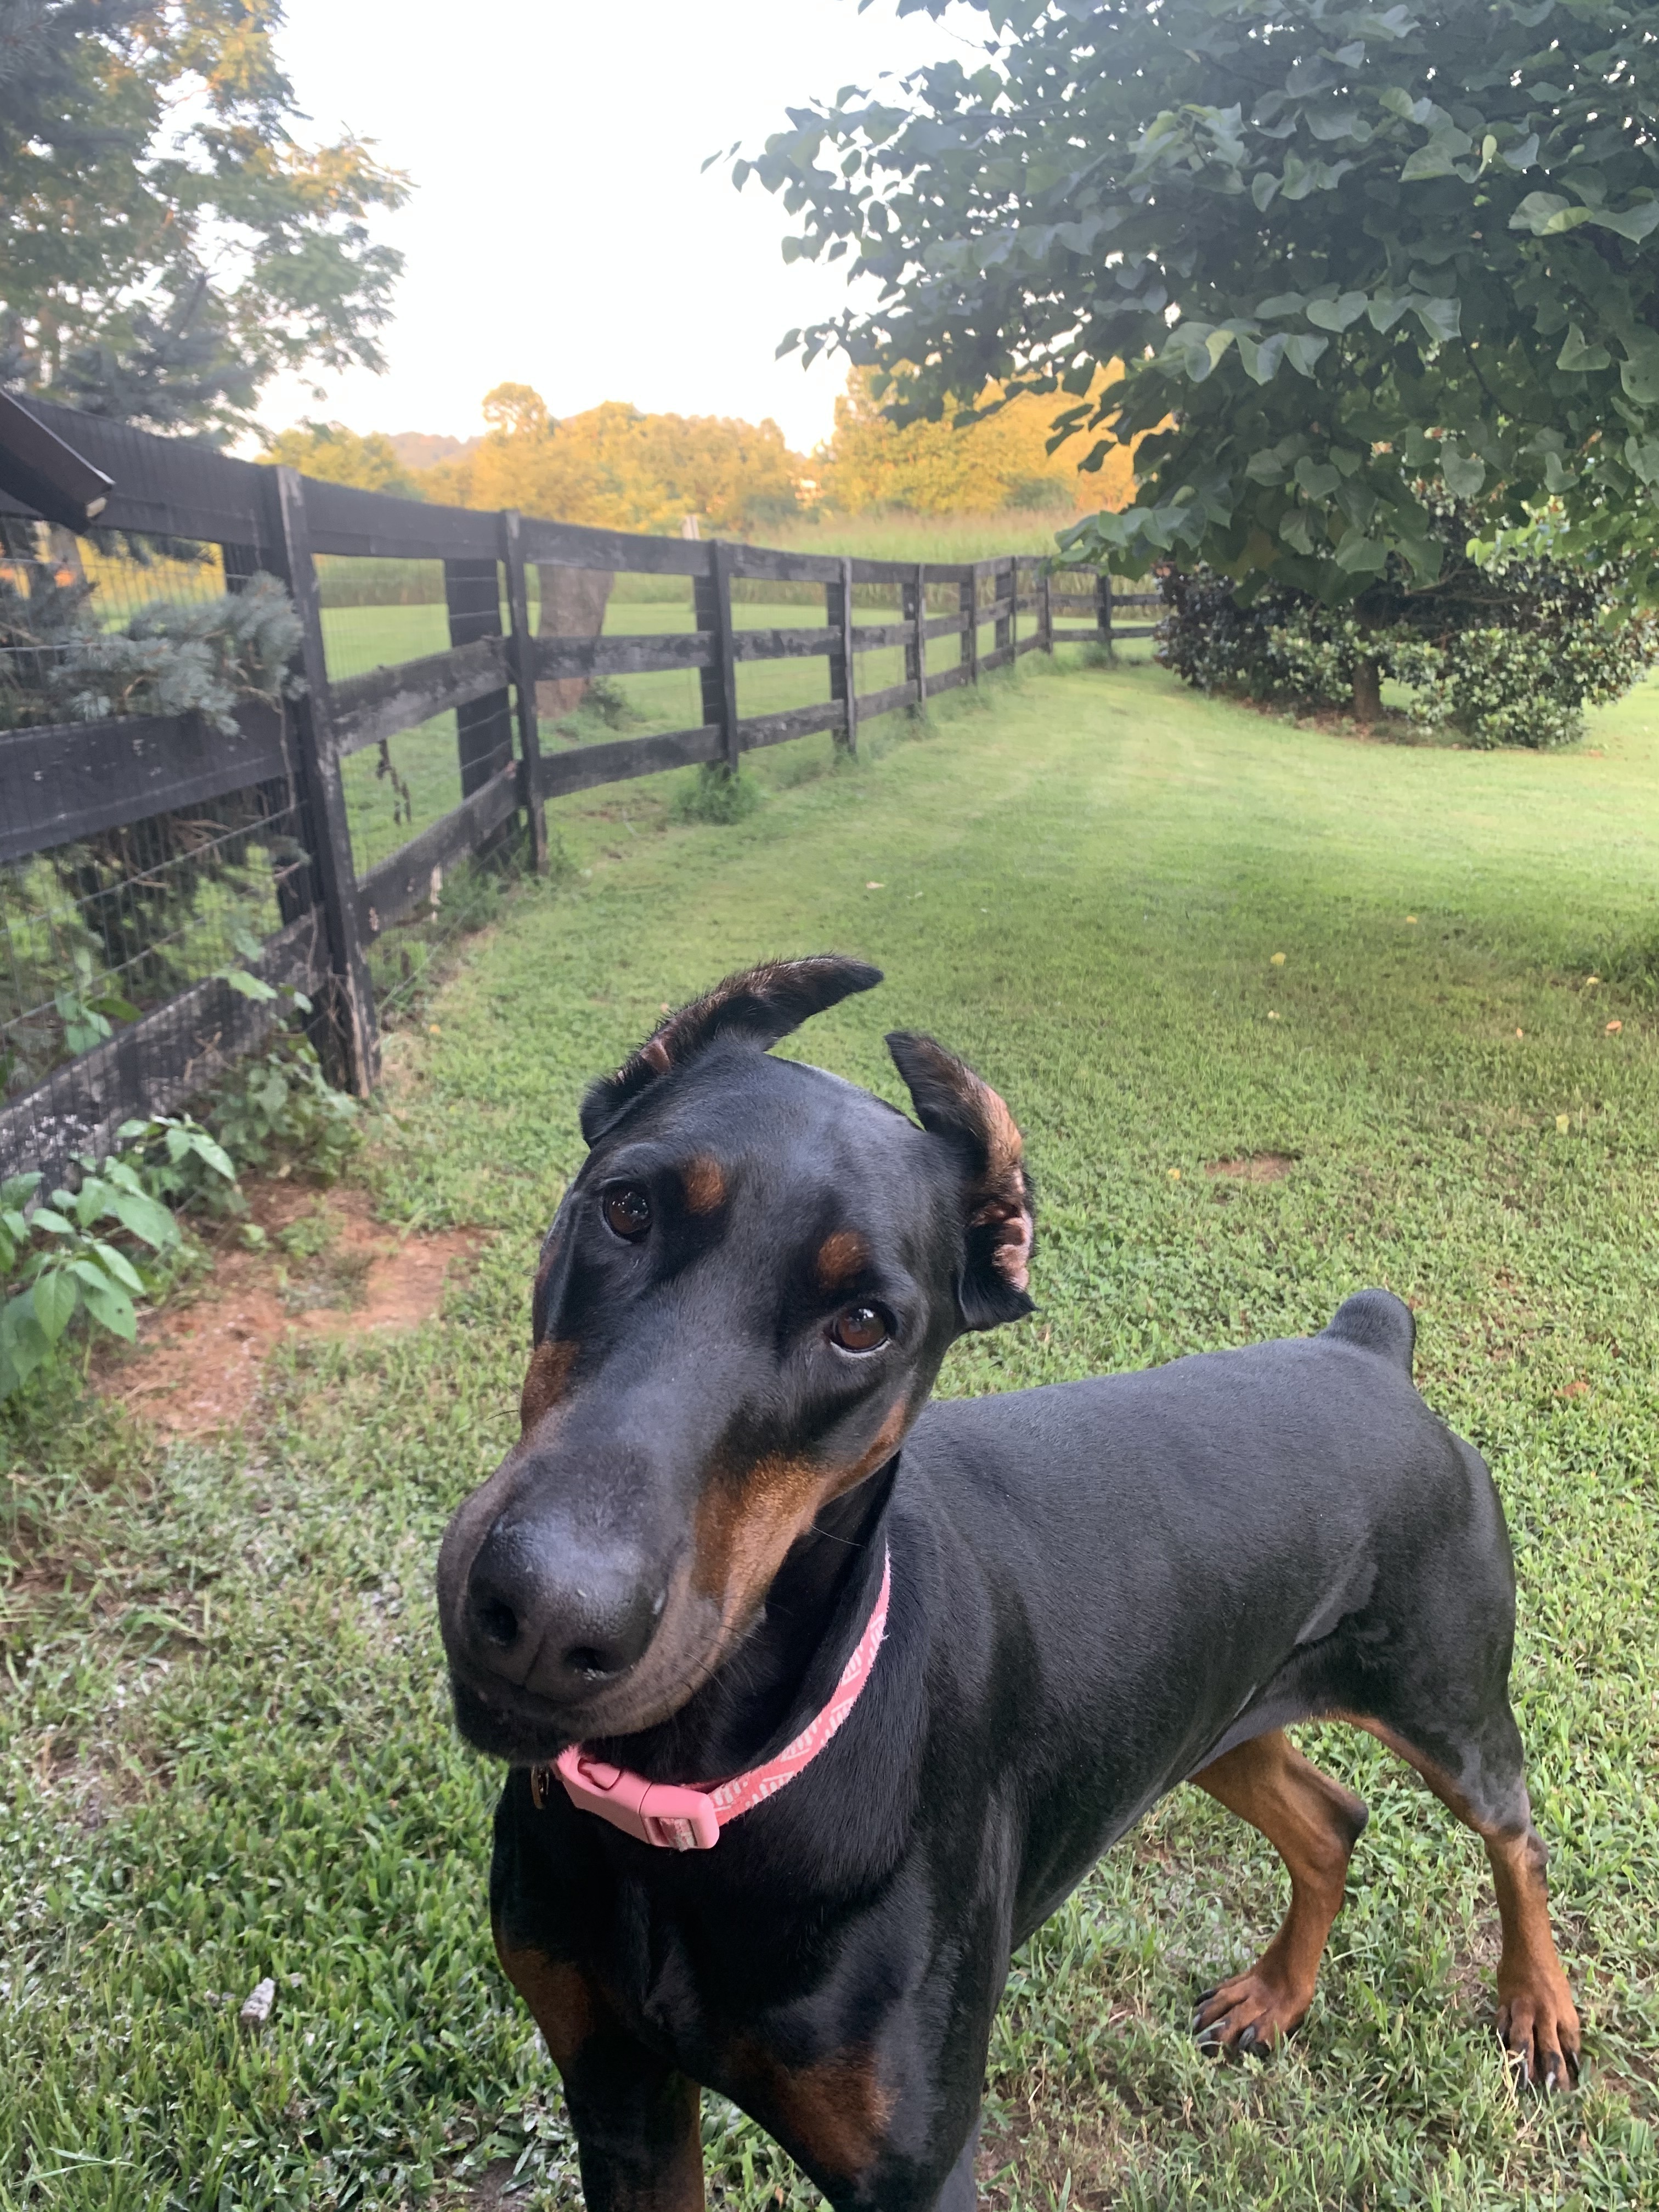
[
  {"x": 1313, "y": 1823},
  {"x": 562, "y": 2002},
  {"x": 582, "y": 2035},
  {"x": 1537, "y": 2019},
  {"x": 835, "y": 2111}
]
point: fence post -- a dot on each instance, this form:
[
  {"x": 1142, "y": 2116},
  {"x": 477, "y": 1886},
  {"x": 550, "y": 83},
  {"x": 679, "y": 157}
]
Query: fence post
[
  {"x": 521, "y": 658},
  {"x": 1004, "y": 632},
  {"x": 843, "y": 672},
  {"x": 969, "y": 592},
  {"x": 484, "y": 730},
  {"x": 1048, "y": 616},
  {"x": 914, "y": 598},
  {"x": 353, "y": 1008},
  {"x": 711, "y": 602},
  {"x": 1103, "y": 609}
]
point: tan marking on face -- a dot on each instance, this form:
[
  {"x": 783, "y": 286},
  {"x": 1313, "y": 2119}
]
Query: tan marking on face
[
  {"x": 704, "y": 1182},
  {"x": 834, "y": 2113},
  {"x": 563, "y": 2003},
  {"x": 745, "y": 1528},
  {"x": 544, "y": 1380},
  {"x": 840, "y": 1258}
]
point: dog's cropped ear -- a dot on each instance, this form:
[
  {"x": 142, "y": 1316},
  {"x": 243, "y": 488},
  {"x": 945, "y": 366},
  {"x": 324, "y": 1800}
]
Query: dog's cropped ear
[
  {"x": 952, "y": 1102},
  {"x": 761, "y": 1004}
]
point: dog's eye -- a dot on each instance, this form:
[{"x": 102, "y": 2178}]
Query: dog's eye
[
  {"x": 627, "y": 1212},
  {"x": 861, "y": 1328}
]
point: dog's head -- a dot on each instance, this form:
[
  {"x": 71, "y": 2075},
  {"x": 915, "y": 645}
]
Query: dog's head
[{"x": 741, "y": 1306}]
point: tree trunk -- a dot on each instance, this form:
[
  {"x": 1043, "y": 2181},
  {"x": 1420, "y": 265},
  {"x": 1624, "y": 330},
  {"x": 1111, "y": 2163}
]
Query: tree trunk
[
  {"x": 573, "y": 601},
  {"x": 1367, "y": 691}
]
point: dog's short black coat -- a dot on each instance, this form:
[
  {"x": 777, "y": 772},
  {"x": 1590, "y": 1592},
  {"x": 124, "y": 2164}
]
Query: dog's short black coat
[{"x": 1099, "y": 1590}]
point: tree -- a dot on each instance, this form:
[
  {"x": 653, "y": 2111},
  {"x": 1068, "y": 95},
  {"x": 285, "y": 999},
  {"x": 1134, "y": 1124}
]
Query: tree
[
  {"x": 619, "y": 469},
  {"x": 169, "y": 243},
  {"x": 1363, "y": 259},
  {"x": 1000, "y": 460},
  {"x": 329, "y": 450}
]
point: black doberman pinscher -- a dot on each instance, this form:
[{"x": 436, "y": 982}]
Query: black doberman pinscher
[{"x": 664, "y": 1609}]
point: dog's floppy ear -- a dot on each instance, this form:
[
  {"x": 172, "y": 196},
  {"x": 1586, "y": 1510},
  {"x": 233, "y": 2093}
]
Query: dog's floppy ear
[
  {"x": 761, "y": 1004},
  {"x": 952, "y": 1102}
]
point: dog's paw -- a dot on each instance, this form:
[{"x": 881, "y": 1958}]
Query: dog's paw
[
  {"x": 1539, "y": 2027},
  {"x": 1248, "y": 2014}
]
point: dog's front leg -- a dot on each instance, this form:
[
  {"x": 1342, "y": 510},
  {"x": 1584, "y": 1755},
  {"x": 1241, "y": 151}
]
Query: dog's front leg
[{"x": 636, "y": 2118}]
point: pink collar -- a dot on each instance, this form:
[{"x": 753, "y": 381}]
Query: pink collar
[{"x": 681, "y": 1820}]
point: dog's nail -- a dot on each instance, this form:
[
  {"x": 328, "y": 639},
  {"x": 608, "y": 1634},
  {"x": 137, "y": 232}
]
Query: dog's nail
[
  {"x": 1204, "y": 1995},
  {"x": 1248, "y": 2040}
]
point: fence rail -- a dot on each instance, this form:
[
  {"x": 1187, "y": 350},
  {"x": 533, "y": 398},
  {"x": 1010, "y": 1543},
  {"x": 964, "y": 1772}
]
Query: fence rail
[{"x": 77, "y": 780}]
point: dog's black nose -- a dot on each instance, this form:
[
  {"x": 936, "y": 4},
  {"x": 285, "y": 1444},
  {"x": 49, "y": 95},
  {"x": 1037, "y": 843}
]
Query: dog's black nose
[{"x": 556, "y": 1618}]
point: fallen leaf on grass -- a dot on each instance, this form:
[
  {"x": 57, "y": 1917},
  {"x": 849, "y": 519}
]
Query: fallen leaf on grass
[
  {"x": 1562, "y": 1123},
  {"x": 1615, "y": 1029},
  {"x": 1276, "y": 960},
  {"x": 256, "y": 2006},
  {"x": 1576, "y": 1390},
  {"x": 875, "y": 887}
]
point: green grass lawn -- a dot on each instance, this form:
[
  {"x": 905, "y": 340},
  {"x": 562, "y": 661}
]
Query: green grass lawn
[{"x": 224, "y": 1733}]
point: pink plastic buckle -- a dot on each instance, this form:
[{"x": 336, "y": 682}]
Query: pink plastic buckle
[{"x": 659, "y": 1812}]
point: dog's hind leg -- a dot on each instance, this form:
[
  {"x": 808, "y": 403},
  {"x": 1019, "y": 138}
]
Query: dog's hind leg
[
  {"x": 1313, "y": 1823},
  {"x": 1537, "y": 2019}
]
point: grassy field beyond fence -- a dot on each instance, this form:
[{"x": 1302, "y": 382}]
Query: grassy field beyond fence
[{"x": 224, "y": 1733}]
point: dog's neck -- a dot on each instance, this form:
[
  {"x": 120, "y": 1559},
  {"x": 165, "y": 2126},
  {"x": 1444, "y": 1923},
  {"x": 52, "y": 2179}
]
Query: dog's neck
[{"x": 785, "y": 1670}]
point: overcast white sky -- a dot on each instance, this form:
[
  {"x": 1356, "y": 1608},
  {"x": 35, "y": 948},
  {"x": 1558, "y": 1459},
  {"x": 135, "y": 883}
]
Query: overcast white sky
[{"x": 560, "y": 233}]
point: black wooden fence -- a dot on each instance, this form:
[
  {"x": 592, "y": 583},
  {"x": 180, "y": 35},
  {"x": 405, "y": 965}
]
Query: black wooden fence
[{"x": 72, "y": 781}]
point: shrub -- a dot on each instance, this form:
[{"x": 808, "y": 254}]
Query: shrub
[{"x": 1506, "y": 654}]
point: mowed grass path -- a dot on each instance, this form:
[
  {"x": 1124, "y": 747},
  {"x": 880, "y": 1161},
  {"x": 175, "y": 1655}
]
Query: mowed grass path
[{"x": 225, "y": 1744}]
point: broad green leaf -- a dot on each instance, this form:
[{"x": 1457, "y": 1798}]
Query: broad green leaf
[
  {"x": 1547, "y": 215},
  {"x": 1465, "y": 473},
  {"x": 249, "y": 987},
  {"x": 1263, "y": 187},
  {"x": 1359, "y": 556},
  {"x": 56, "y": 1296},
  {"x": 1634, "y": 223},
  {"x": 108, "y": 1304},
  {"x": 1639, "y": 372},
  {"x": 1317, "y": 478},
  {"x": 1336, "y": 314},
  {"x": 214, "y": 1155},
  {"x": 1261, "y": 359},
  {"x": 19, "y": 1189},
  {"x": 1282, "y": 303},
  {"x": 1577, "y": 358},
  {"x": 1303, "y": 352},
  {"x": 117, "y": 1263},
  {"x": 49, "y": 1219},
  {"x": 1297, "y": 530},
  {"x": 1427, "y": 161},
  {"x": 151, "y": 1223},
  {"x": 1643, "y": 456},
  {"x": 1441, "y": 318}
]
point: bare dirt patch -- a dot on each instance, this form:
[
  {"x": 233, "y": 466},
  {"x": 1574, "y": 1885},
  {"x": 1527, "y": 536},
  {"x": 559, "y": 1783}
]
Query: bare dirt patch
[
  {"x": 327, "y": 1269},
  {"x": 1253, "y": 1167}
]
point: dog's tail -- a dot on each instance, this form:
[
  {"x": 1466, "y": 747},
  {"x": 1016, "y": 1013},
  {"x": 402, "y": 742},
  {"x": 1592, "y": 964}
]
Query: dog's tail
[{"x": 1376, "y": 1320}]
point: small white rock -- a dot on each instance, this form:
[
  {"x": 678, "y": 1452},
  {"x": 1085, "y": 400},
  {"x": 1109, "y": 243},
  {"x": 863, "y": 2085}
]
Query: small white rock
[{"x": 256, "y": 2006}]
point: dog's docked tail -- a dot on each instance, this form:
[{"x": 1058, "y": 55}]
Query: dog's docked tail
[{"x": 1376, "y": 1320}]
